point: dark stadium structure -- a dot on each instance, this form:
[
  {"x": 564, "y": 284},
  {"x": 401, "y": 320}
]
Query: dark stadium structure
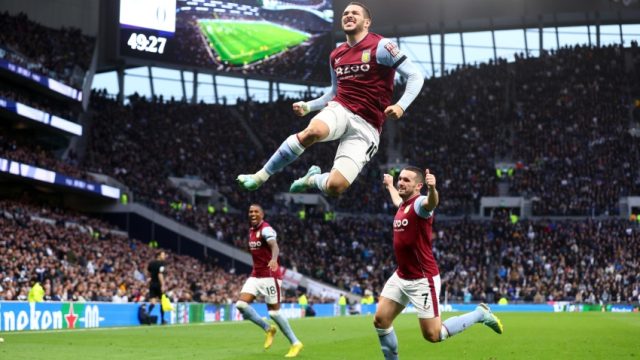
[{"x": 537, "y": 157}]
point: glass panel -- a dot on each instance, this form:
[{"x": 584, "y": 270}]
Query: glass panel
[
  {"x": 165, "y": 73},
  {"x": 205, "y": 89},
  {"x": 478, "y": 47},
  {"x": 631, "y": 33},
  {"x": 293, "y": 91},
  {"x": 259, "y": 90},
  {"x": 417, "y": 49},
  {"x": 549, "y": 41},
  {"x": 573, "y": 35},
  {"x": 452, "y": 51},
  {"x": 137, "y": 84},
  {"x": 509, "y": 42},
  {"x": 230, "y": 89},
  {"x": 107, "y": 80},
  {"x": 141, "y": 71},
  {"x": 609, "y": 34}
]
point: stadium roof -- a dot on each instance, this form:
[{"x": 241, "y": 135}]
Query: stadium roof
[
  {"x": 419, "y": 17},
  {"x": 393, "y": 18}
]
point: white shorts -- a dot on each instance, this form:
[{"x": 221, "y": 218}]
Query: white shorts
[
  {"x": 269, "y": 287},
  {"x": 423, "y": 293},
  {"x": 359, "y": 140}
]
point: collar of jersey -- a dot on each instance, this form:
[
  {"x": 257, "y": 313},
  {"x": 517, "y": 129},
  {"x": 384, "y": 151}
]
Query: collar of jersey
[{"x": 356, "y": 44}]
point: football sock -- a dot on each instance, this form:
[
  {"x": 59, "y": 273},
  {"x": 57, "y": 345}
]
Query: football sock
[
  {"x": 248, "y": 313},
  {"x": 161, "y": 314},
  {"x": 284, "y": 326},
  {"x": 320, "y": 181},
  {"x": 151, "y": 307},
  {"x": 288, "y": 151},
  {"x": 388, "y": 343},
  {"x": 457, "y": 324}
]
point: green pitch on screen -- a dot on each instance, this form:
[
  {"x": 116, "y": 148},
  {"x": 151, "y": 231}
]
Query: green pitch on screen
[
  {"x": 245, "y": 42},
  {"x": 534, "y": 336}
]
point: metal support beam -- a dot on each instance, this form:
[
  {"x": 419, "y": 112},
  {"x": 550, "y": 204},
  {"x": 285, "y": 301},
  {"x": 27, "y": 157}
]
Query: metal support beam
[
  {"x": 120, "y": 74},
  {"x": 540, "y": 35},
  {"x": 184, "y": 88},
  {"x": 464, "y": 59},
  {"x": 194, "y": 93},
  {"x": 215, "y": 88},
  {"x": 441, "y": 52},
  {"x": 153, "y": 92}
]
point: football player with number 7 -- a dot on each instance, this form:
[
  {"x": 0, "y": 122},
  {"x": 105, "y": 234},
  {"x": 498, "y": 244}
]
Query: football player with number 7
[{"x": 417, "y": 278}]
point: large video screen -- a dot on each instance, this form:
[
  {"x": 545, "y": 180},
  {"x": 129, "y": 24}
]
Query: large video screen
[{"x": 288, "y": 40}]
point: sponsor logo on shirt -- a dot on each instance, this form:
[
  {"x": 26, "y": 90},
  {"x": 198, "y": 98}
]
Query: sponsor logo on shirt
[
  {"x": 400, "y": 223},
  {"x": 255, "y": 244},
  {"x": 352, "y": 69},
  {"x": 337, "y": 60},
  {"x": 392, "y": 49}
]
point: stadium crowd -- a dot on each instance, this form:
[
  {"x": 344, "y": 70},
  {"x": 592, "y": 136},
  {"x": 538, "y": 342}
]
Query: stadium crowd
[
  {"x": 62, "y": 54},
  {"x": 571, "y": 130},
  {"x": 563, "y": 117},
  {"x": 77, "y": 258},
  {"x": 20, "y": 147}
]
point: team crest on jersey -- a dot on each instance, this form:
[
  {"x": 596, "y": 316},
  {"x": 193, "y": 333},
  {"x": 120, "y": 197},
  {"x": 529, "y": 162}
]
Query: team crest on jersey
[
  {"x": 392, "y": 49},
  {"x": 366, "y": 56},
  {"x": 406, "y": 209}
]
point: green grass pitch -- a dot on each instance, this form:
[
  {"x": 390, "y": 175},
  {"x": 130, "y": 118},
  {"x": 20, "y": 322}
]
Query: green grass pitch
[
  {"x": 244, "y": 42},
  {"x": 527, "y": 336}
]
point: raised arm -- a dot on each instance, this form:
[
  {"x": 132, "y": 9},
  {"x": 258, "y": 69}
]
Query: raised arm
[
  {"x": 387, "y": 181},
  {"x": 432, "y": 200}
]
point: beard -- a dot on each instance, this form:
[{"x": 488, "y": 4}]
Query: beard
[{"x": 358, "y": 28}]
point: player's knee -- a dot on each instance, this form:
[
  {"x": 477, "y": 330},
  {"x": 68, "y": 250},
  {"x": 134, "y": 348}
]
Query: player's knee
[
  {"x": 380, "y": 323},
  {"x": 431, "y": 336},
  {"x": 310, "y": 135},
  {"x": 274, "y": 313}
]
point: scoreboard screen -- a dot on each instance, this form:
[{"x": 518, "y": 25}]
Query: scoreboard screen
[{"x": 287, "y": 40}]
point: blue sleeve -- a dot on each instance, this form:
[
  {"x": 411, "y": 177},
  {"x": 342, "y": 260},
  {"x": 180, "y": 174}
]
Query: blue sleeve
[
  {"x": 415, "y": 80},
  {"x": 269, "y": 234},
  {"x": 322, "y": 101},
  {"x": 417, "y": 206},
  {"x": 389, "y": 54}
]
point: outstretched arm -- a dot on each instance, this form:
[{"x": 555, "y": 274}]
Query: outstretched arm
[
  {"x": 432, "y": 200},
  {"x": 388, "y": 183},
  {"x": 302, "y": 108}
]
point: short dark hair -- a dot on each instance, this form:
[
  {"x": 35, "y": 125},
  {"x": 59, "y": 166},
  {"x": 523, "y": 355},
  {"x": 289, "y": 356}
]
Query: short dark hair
[
  {"x": 366, "y": 9},
  {"x": 160, "y": 252},
  {"x": 419, "y": 173},
  {"x": 257, "y": 205}
]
